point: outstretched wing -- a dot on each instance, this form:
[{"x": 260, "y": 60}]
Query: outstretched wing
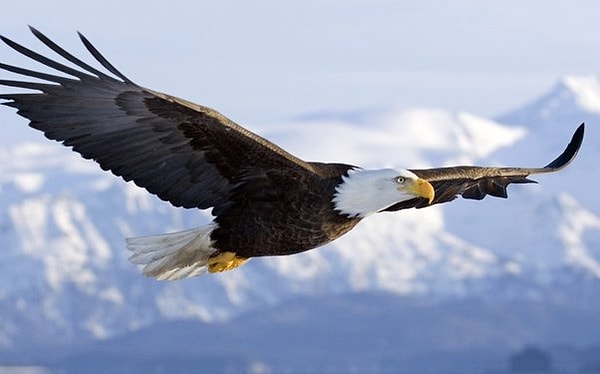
[
  {"x": 475, "y": 182},
  {"x": 187, "y": 154}
]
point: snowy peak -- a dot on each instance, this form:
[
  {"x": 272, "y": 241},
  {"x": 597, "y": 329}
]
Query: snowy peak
[
  {"x": 584, "y": 91},
  {"x": 572, "y": 99}
]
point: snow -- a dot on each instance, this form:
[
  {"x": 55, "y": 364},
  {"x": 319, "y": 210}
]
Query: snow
[
  {"x": 438, "y": 130},
  {"x": 113, "y": 295},
  {"x": 402, "y": 138},
  {"x": 29, "y": 217},
  {"x": 577, "y": 222},
  {"x": 586, "y": 90},
  {"x": 63, "y": 223},
  {"x": 484, "y": 136},
  {"x": 29, "y": 182}
]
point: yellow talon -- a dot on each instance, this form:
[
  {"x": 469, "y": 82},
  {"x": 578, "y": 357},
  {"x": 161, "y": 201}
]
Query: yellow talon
[{"x": 224, "y": 261}]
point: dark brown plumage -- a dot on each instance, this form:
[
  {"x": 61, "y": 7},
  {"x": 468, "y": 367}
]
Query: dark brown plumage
[{"x": 265, "y": 200}]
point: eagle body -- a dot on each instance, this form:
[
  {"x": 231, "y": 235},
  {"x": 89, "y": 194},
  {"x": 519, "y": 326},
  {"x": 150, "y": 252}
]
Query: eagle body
[
  {"x": 265, "y": 201},
  {"x": 280, "y": 223}
]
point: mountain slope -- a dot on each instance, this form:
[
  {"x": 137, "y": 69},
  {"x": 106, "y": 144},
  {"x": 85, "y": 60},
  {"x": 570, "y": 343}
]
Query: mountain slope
[
  {"x": 351, "y": 333},
  {"x": 65, "y": 273}
]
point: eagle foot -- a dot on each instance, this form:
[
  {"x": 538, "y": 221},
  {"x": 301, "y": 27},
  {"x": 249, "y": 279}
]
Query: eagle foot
[{"x": 224, "y": 261}]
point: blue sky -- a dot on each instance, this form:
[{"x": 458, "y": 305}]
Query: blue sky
[{"x": 266, "y": 61}]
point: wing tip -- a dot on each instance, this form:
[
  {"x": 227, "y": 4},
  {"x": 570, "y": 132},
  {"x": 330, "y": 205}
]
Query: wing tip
[
  {"x": 6, "y": 40},
  {"x": 33, "y": 30},
  {"x": 102, "y": 60},
  {"x": 570, "y": 151}
]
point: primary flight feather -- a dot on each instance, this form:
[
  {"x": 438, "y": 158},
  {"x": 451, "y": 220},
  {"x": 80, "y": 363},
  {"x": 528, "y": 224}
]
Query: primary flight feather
[{"x": 266, "y": 202}]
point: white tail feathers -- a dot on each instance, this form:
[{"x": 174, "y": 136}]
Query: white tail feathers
[{"x": 173, "y": 256}]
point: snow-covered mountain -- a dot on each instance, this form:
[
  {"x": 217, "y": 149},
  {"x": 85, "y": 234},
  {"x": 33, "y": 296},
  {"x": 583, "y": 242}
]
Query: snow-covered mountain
[{"x": 64, "y": 271}]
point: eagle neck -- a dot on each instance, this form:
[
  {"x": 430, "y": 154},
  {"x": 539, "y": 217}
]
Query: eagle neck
[{"x": 358, "y": 195}]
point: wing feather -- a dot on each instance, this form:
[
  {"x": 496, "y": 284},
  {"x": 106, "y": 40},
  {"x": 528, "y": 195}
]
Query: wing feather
[
  {"x": 187, "y": 154},
  {"x": 59, "y": 50},
  {"x": 476, "y": 182}
]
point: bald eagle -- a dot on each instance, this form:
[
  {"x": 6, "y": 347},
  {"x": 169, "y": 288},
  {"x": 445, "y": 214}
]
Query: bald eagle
[{"x": 265, "y": 201}]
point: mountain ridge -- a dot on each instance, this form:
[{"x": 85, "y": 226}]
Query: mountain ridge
[{"x": 62, "y": 223}]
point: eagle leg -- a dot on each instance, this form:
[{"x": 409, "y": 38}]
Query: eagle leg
[{"x": 224, "y": 261}]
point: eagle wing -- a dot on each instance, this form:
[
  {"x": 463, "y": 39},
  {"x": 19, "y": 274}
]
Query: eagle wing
[
  {"x": 187, "y": 154},
  {"x": 475, "y": 182}
]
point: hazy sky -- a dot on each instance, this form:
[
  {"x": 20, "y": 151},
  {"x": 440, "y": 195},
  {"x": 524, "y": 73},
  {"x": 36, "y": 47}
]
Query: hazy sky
[{"x": 266, "y": 61}]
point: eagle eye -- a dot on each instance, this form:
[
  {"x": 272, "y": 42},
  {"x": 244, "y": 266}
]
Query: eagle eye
[{"x": 400, "y": 180}]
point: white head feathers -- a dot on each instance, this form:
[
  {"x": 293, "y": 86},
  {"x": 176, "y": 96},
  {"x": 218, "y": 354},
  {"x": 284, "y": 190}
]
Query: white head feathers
[{"x": 364, "y": 192}]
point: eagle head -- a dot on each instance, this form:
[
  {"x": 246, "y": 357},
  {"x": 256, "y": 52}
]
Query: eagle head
[{"x": 364, "y": 192}]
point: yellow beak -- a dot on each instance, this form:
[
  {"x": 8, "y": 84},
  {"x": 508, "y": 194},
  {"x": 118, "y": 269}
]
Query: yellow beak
[{"x": 423, "y": 188}]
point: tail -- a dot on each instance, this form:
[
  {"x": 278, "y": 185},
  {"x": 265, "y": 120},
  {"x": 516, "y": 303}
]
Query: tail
[{"x": 173, "y": 256}]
